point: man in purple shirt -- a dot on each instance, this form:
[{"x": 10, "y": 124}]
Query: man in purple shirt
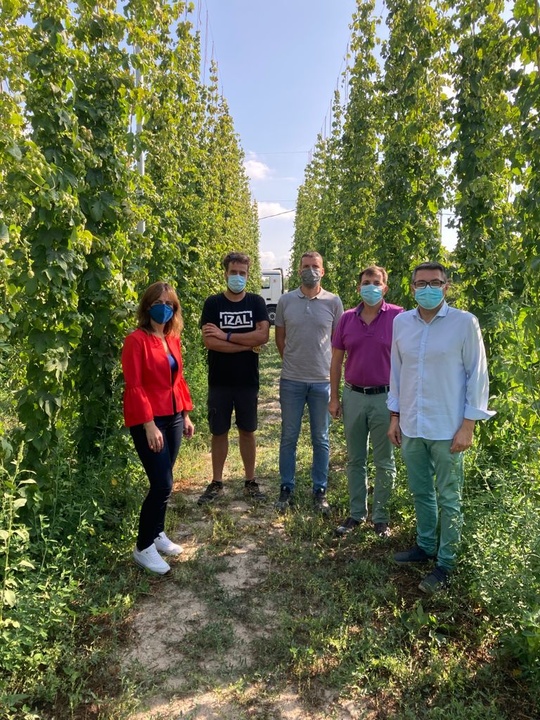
[{"x": 364, "y": 334}]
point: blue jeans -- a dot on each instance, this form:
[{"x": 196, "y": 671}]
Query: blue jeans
[
  {"x": 159, "y": 468},
  {"x": 365, "y": 417},
  {"x": 436, "y": 482},
  {"x": 293, "y": 397}
]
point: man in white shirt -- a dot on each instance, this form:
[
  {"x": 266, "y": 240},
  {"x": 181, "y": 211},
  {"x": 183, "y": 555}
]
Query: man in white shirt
[{"x": 439, "y": 388}]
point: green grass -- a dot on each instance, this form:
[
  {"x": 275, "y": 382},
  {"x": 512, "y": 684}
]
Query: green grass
[{"x": 333, "y": 621}]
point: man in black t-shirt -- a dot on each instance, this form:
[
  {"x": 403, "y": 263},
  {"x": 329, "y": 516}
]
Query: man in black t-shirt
[{"x": 234, "y": 325}]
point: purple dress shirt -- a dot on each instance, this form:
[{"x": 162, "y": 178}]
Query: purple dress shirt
[{"x": 367, "y": 346}]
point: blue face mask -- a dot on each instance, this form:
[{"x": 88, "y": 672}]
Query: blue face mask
[
  {"x": 371, "y": 294},
  {"x": 236, "y": 283},
  {"x": 161, "y": 313},
  {"x": 429, "y": 298}
]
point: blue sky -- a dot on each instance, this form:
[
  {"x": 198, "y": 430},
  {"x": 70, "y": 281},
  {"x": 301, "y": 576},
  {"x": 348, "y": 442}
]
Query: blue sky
[{"x": 279, "y": 64}]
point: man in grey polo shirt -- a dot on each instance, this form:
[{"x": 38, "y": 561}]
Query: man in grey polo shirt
[{"x": 305, "y": 320}]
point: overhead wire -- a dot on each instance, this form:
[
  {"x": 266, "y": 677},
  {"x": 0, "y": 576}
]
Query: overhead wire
[{"x": 285, "y": 212}]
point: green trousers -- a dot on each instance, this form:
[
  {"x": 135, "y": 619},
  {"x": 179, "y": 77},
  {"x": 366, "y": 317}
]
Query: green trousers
[
  {"x": 365, "y": 417},
  {"x": 436, "y": 483}
]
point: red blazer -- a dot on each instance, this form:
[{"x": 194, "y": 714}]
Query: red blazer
[{"x": 149, "y": 389}]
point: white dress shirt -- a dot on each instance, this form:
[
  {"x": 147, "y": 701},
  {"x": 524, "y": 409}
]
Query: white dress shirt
[{"x": 438, "y": 373}]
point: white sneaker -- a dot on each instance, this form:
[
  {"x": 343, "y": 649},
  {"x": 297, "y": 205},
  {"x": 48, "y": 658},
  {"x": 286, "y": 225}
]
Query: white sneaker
[
  {"x": 164, "y": 545},
  {"x": 150, "y": 559}
]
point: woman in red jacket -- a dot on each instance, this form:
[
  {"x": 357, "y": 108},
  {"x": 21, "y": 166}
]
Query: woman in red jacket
[{"x": 156, "y": 410}]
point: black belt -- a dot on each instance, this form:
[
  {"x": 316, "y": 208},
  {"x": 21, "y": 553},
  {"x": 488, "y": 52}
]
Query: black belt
[{"x": 373, "y": 390}]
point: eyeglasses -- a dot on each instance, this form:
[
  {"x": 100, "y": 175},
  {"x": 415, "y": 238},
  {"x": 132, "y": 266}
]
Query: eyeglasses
[{"x": 421, "y": 284}]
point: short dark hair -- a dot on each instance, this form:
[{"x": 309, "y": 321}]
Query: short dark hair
[
  {"x": 312, "y": 254},
  {"x": 430, "y": 266},
  {"x": 372, "y": 270},
  {"x": 236, "y": 257}
]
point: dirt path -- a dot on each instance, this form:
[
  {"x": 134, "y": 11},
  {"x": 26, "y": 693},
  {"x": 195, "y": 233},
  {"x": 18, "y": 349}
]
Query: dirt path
[{"x": 198, "y": 638}]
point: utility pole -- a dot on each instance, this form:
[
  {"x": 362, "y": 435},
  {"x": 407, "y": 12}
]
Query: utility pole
[{"x": 141, "y": 225}]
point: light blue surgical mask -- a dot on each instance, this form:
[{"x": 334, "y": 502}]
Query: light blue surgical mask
[
  {"x": 371, "y": 294},
  {"x": 429, "y": 298},
  {"x": 161, "y": 313},
  {"x": 236, "y": 283}
]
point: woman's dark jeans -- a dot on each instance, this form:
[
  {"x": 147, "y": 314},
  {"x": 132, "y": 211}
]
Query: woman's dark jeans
[{"x": 159, "y": 468}]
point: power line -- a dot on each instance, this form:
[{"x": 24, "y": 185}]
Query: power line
[
  {"x": 280, "y": 152},
  {"x": 285, "y": 212}
]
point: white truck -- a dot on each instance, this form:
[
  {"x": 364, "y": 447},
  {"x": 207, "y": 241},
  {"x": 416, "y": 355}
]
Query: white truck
[{"x": 272, "y": 290}]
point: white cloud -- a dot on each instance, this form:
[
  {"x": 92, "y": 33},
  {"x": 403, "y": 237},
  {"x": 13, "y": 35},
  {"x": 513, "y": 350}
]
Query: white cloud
[
  {"x": 255, "y": 169},
  {"x": 270, "y": 260},
  {"x": 270, "y": 209}
]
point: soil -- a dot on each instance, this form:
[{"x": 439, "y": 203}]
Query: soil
[
  {"x": 163, "y": 620},
  {"x": 169, "y": 683}
]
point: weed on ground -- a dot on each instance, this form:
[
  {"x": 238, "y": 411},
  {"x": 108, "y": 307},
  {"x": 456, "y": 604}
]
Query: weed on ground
[{"x": 270, "y": 616}]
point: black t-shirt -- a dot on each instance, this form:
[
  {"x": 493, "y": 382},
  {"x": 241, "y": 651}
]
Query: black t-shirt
[{"x": 236, "y": 317}]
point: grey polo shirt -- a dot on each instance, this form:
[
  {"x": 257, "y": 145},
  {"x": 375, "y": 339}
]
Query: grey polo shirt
[{"x": 309, "y": 324}]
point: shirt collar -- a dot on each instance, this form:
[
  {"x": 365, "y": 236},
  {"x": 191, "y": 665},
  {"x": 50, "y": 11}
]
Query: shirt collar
[
  {"x": 443, "y": 311},
  {"x": 383, "y": 307},
  {"x": 300, "y": 294}
]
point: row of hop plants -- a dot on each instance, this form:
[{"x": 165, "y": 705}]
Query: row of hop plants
[
  {"x": 87, "y": 91},
  {"x": 440, "y": 118}
]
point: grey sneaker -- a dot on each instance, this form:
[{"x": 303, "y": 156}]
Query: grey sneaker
[
  {"x": 212, "y": 492},
  {"x": 437, "y": 580},
  {"x": 285, "y": 499},
  {"x": 346, "y": 527},
  {"x": 320, "y": 503},
  {"x": 253, "y": 491},
  {"x": 414, "y": 555}
]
